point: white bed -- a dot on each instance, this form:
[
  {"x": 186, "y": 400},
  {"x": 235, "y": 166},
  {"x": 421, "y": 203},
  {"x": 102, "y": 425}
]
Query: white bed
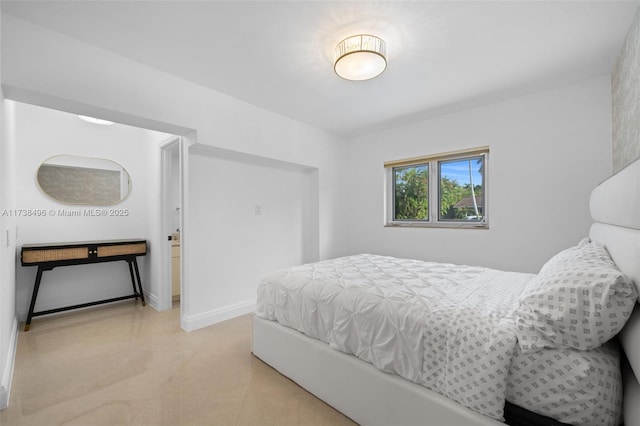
[{"x": 370, "y": 396}]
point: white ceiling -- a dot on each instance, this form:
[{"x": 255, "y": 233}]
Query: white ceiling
[{"x": 443, "y": 56}]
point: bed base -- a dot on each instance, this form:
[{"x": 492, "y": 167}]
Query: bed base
[
  {"x": 355, "y": 388},
  {"x": 362, "y": 392}
]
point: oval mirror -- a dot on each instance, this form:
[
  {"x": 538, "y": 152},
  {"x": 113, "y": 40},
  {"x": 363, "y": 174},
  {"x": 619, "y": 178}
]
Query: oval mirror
[{"x": 83, "y": 180}]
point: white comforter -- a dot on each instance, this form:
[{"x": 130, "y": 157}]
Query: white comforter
[{"x": 444, "y": 326}]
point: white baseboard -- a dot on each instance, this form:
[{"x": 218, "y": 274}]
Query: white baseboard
[
  {"x": 151, "y": 299},
  {"x": 7, "y": 372},
  {"x": 194, "y": 322}
]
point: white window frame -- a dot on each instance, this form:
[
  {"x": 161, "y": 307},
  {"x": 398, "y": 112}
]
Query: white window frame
[{"x": 433, "y": 161}]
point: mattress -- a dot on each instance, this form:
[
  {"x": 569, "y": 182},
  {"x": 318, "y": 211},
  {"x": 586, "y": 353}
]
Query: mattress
[{"x": 446, "y": 327}]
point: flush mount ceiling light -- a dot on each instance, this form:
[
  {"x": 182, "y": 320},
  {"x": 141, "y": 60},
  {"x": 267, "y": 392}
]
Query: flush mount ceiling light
[
  {"x": 360, "y": 57},
  {"x": 94, "y": 120}
]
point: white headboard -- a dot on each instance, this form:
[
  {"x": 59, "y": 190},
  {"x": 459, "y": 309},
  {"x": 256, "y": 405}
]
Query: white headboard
[{"x": 615, "y": 208}]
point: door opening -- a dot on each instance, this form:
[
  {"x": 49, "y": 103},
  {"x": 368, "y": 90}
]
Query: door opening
[{"x": 171, "y": 171}]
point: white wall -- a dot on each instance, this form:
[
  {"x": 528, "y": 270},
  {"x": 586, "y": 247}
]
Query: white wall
[
  {"x": 252, "y": 217},
  {"x": 8, "y": 319},
  {"x": 548, "y": 151},
  {"x": 50, "y": 69},
  {"x": 42, "y": 133},
  {"x": 174, "y": 192}
]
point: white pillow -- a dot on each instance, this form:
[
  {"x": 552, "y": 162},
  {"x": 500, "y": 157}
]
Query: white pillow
[{"x": 579, "y": 299}]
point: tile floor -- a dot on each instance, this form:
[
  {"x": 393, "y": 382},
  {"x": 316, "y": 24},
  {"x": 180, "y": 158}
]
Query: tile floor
[{"x": 128, "y": 365}]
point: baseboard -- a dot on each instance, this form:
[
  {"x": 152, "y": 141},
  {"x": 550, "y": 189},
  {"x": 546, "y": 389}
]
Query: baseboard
[
  {"x": 151, "y": 299},
  {"x": 7, "y": 372},
  {"x": 194, "y": 322}
]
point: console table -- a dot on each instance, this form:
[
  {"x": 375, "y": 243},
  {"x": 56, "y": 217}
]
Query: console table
[{"x": 49, "y": 256}]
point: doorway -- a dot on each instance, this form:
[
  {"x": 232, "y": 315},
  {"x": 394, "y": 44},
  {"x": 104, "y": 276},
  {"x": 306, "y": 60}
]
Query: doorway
[
  {"x": 171, "y": 172},
  {"x": 137, "y": 150}
]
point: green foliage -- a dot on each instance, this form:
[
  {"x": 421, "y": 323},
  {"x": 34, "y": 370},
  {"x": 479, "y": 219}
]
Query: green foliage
[
  {"x": 450, "y": 194},
  {"x": 411, "y": 193}
]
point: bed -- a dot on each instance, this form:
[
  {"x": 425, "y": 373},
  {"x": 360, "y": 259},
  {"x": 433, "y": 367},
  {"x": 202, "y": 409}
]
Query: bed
[{"x": 372, "y": 387}]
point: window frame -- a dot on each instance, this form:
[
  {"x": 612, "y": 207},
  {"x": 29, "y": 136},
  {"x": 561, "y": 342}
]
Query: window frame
[{"x": 433, "y": 190}]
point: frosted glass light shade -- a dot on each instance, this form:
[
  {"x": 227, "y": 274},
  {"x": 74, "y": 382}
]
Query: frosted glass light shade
[{"x": 360, "y": 57}]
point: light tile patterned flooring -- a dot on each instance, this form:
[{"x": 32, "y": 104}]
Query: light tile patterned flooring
[{"x": 127, "y": 365}]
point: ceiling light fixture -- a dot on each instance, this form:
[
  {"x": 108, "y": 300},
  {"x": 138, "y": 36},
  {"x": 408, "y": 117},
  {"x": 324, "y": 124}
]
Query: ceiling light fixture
[
  {"x": 360, "y": 57},
  {"x": 94, "y": 120}
]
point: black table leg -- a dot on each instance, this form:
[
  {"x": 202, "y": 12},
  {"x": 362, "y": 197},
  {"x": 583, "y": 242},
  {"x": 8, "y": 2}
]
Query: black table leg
[
  {"x": 133, "y": 280},
  {"x": 135, "y": 265},
  {"x": 36, "y": 287}
]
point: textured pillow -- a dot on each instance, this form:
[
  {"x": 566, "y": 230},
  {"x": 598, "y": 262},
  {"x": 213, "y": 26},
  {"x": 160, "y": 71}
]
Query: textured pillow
[{"x": 579, "y": 299}]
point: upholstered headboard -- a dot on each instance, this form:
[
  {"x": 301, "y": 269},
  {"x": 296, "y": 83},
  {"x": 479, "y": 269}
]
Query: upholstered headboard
[{"x": 615, "y": 208}]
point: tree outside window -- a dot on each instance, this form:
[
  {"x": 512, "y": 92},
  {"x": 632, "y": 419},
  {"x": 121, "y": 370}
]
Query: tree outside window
[{"x": 453, "y": 185}]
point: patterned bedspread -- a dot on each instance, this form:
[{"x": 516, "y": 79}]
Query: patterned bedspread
[{"x": 447, "y": 327}]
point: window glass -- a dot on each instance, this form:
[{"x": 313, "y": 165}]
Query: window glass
[
  {"x": 411, "y": 192},
  {"x": 461, "y": 194},
  {"x": 440, "y": 190}
]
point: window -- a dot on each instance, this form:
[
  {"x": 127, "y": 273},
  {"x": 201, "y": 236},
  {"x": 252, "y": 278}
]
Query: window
[
  {"x": 440, "y": 190},
  {"x": 411, "y": 192}
]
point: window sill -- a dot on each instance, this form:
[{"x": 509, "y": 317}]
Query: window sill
[{"x": 450, "y": 225}]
